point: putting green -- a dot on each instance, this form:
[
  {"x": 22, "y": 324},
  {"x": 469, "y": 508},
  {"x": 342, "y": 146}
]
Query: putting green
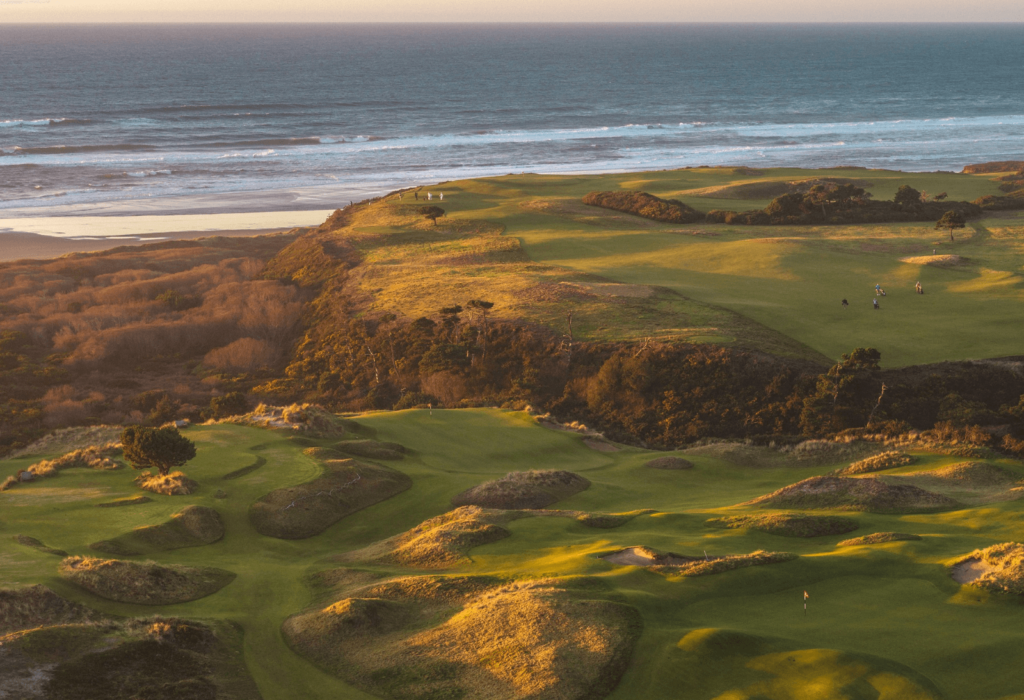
[{"x": 883, "y": 620}]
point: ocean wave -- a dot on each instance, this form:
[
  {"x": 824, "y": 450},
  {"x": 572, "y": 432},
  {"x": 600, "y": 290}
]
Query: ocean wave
[
  {"x": 63, "y": 149},
  {"x": 68, "y": 122}
]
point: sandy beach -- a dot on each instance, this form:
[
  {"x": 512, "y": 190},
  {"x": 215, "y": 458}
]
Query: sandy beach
[{"x": 49, "y": 237}]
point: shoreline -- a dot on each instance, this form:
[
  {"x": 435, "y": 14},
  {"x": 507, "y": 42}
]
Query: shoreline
[{"x": 21, "y": 245}]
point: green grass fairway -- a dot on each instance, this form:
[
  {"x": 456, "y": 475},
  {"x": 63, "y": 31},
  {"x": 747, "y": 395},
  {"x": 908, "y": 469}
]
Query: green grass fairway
[
  {"x": 790, "y": 279},
  {"x": 884, "y": 621}
]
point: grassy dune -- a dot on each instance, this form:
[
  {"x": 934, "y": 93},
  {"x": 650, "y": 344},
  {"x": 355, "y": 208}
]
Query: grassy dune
[
  {"x": 883, "y": 617},
  {"x": 786, "y": 280}
]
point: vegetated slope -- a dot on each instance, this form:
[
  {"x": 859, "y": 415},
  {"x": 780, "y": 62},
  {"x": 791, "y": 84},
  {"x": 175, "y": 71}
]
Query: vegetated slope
[
  {"x": 59, "y": 650},
  {"x": 867, "y": 493},
  {"x": 970, "y": 482},
  {"x": 878, "y": 538},
  {"x": 346, "y": 486},
  {"x": 532, "y": 489},
  {"x": 544, "y": 639},
  {"x": 998, "y": 568},
  {"x": 114, "y": 337}
]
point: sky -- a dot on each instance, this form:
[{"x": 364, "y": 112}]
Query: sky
[{"x": 69, "y": 11}]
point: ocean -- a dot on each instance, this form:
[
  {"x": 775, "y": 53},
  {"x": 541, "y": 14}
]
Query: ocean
[{"x": 155, "y": 118}]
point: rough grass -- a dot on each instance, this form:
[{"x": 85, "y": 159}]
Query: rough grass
[
  {"x": 173, "y": 484},
  {"x": 36, "y": 606},
  {"x": 32, "y": 542},
  {"x": 442, "y": 541},
  {"x": 876, "y": 463},
  {"x": 537, "y": 639},
  {"x": 878, "y": 538},
  {"x": 532, "y": 489},
  {"x": 306, "y": 419},
  {"x": 669, "y": 463},
  {"x": 788, "y": 525},
  {"x": 844, "y": 493},
  {"x": 346, "y": 486},
  {"x": 997, "y": 568},
  {"x": 192, "y": 527},
  {"x": 70, "y": 439},
  {"x": 92, "y": 457},
  {"x": 143, "y": 583},
  {"x": 372, "y": 449}
]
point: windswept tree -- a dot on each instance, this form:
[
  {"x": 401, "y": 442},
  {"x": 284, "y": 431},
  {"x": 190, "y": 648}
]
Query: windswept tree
[
  {"x": 907, "y": 196},
  {"x": 951, "y": 220},
  {"x": 159, "y": 448},
  {"x": 432, "y": 213}
]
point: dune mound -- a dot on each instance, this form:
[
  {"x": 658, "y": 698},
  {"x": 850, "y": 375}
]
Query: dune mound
[
  {"x": 970, "y": 475},
  {"x": 845, "y": 493},
  {"x": 134, "y": 501},
  {"x": 537, "y": 639},
  {"x": 669, "y": 463},
  {"x": 680, "y": 565},
  {"x": 63, "y": 651},
  {"x": 346, "y": 486},
  {"x": 442, "y": 541},
  {"x": 192, "y": 527},
  {"x": 936, "y": 260},
  {"x": 878, "y": 538},
  {"x": 37, "y": 606},
  {"x": 788, "y": 525},
  {"x": 372, "y": 449},
  {"x": 877, "y": 463},
  {"x": 648, "y": 206},
  {"x": 527, "y": 490},
  {"x": 173, "y": 484},
  {"x": 305, "y": 419},
  {"x": 143, "y": 583},
  {"x": 805, "y": 453},
  {"x": 998, "y": 568},
  {"x": 32, "y": 542}
]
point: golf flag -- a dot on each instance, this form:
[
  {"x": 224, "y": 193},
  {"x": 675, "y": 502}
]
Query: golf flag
[{"x": 806, "y": 596}]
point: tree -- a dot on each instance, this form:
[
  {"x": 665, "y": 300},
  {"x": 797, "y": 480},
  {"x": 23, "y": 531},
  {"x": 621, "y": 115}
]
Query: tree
[
  {"x": 232, "y": 404},
  {"x": 907, "y": 196},
  {"x": 161, "y": 448},
  {"x": 432, "y": 213},
  {"x": 950, "y": 220}
]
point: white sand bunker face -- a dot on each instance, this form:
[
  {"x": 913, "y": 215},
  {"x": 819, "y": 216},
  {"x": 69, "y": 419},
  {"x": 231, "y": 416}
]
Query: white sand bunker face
[
  {"x": 642, "y": 556},
  {"x": 970, "y": 570}
]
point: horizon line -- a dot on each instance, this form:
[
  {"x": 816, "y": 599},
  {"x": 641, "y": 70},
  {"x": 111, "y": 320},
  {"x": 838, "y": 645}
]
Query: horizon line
[{"x": 654, "y": 23}]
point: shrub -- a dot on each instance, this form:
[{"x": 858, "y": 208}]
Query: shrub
[
  {"x": 244, "y": 355},
  {"x": 646, "y": 205}
]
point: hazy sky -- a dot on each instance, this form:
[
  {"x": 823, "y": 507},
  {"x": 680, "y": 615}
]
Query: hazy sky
[{"x": 511, "y": 11}]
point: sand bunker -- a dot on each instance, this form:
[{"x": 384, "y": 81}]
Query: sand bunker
[
  {"x": 679, "y": 565},
  {"x": 845, "y": 493},
  {"x": 347, "y": 486},
  {"x": 144, "y": 583},
  {"x": 644, "y": 556},
  {"x": 532, "y": 489},
  {"x": 936, "y": 260},
  {"x": 999, "y": 568},
  {"x": 473, "y": 640}
]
